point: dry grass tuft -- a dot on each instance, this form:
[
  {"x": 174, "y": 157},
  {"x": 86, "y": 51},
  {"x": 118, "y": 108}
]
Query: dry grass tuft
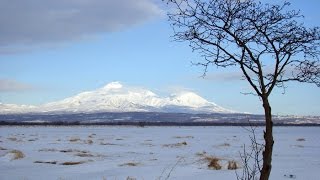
[
  {"x": 66, "y": 150},
  {"x": 47, "y": 150},
  {"x": 130, "y": 164},
  {"x": 81, "y": 154},
  {"x": 224, "y": 145},
  {"x": 2, "y": 148},
  {"x": 213, "y": 162},
  {"x": 184, "y": 143},
  {"x": 46, "y": 162},
  {"x": 73, "y": 150},
  {"x": 71, "y": 163},
  {"x": 74, "y": 139},
  {"x": 232, "y": 165},
  {"x": 17, "y": 154},
  {"x": 301, "y": 139}
]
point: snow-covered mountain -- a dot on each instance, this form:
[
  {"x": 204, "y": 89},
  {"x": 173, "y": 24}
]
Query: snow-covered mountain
[{"x": 114, "y": 97}]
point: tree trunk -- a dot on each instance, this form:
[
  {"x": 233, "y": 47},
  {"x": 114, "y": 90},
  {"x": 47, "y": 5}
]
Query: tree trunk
[{"x": 268, "y": 138}]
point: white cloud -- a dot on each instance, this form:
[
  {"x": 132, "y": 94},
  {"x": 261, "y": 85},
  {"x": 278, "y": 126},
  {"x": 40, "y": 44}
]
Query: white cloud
[
  {"x": 34, "y": 22},
  {"x": 9, "y": 85},
  {"x": 228, "y": 76}
]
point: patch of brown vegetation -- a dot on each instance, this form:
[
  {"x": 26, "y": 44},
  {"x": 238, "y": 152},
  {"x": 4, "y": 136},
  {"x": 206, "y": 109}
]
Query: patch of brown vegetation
[
  {"x": 184, "y": 143},
  {"x": 73, "y": 150},
  {"x": 74, "y": 139},
  {"x": 48, "y": 150},
  {"x": 84, "y": 155},
  {"x": 66, "y": 150},
  {"x": 130, "y": 164},
  {"x": 46, "y": 162},
  {"x": 224, "y": 145},
  {"x": 17, "y": 154},
  {"x": 71, "y": 163},
  {"x": 232, "y": 165},
  {"x": 213, "y": 162}
]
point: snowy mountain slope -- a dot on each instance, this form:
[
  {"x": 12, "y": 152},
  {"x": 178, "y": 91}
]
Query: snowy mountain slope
[{"x": 114, "y": 97}]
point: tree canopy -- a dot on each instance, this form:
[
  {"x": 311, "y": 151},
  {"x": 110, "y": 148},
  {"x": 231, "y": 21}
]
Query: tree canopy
[{"x": 271, "y": 45}]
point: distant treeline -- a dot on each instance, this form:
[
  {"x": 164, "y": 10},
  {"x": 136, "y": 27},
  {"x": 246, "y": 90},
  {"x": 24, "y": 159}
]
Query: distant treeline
[{"x": 144, "y": 123}]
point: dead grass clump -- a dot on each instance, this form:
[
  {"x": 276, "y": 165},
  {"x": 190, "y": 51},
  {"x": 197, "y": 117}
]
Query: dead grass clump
[
  {"x": 71, "y": 163},
  {"x": 73, "y": 150},
  {"x": 47, "y": 150},
  {"x": 45, "y": 162},
  {"x": 232, "y": 165},
  {"x": 176, "y": 144},
  {"x": 130, "y": 164},
  {"x": 301, "y": 139},
  {"x": 66, "y": 150},
  {"x": 74, "y": 139},
  {"x": 84, "y": 155},
  {"x": 224, "y": 145},
  {"x": 2, "y": 148},
  {"x": 213, "y": 162},
  {"x": 17, "y": 154}
]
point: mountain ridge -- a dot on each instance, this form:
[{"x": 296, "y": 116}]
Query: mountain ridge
[{"x": 114, "y": 97}]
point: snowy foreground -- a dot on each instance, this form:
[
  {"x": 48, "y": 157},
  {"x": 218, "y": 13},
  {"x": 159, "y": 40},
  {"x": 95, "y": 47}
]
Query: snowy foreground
[{"x": 125, "y": 152}]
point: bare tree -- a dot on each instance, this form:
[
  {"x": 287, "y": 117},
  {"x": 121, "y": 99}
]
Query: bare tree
[
  {"x": 266, "y": 41},
  {"x": 251, "y": 159}
]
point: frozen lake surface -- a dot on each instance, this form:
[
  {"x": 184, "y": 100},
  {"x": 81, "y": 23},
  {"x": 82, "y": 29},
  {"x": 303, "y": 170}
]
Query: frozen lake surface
[{"x": 149, "y": 153}]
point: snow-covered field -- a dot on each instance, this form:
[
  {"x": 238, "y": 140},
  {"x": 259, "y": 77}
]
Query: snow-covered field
[{"x": 124, "y": 152}]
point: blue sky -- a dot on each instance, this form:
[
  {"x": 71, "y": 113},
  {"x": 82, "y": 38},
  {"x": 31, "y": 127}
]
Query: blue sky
[{"x": 42, "y": 60}]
